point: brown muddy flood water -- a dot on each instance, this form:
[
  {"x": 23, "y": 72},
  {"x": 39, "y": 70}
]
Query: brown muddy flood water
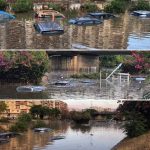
[
  {"x": 101, "y": 136},
  {"x": 123, "y": 32}
]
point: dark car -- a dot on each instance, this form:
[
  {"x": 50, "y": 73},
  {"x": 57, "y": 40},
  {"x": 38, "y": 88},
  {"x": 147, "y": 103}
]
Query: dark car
[
  {"x": 50, "y": 28},
  {"x": 141, "y": 13},
  {"x": 85, "y": 21},
  {"x": 100, "y": 15}
]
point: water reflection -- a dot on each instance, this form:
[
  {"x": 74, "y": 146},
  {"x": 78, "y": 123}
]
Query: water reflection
[
  {"x": 124, "y": 32},
  {"x": 98, "y": 137}
]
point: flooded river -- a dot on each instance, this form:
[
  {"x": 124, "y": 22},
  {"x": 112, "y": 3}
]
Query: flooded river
[
  {"x": 98, "y": 136},
  {"x": 123, "y": 32}
]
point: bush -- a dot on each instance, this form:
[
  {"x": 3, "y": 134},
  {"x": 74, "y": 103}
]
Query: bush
[
  {"x": 4, "y": 119},
  {"x": 89, "y": 7},
  {"x": 3, "y": 5},
  {"x": 80, "y": 117},
  {"x": 22, "y": 6},
  {"x": 39, "y": 124},
  {"x": 55, "y": 6},
  {"x": 135, "y": 125},
  {"x": 116, "y": 6},
  {"x": 23, "y": 66},
  {"x": 140, "y": 5},
  {"x": 19, "y": 127},
  {"x": 86, "y": 75},
  {"x": 111, "y": 61},
  {"x": 25, "y": 117}
]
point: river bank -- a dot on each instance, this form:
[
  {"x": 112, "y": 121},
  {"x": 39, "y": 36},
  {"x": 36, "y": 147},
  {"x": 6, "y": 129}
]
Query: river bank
[{"x": 138, "y": 143}]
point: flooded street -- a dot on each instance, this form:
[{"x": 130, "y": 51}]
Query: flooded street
[
  {"x": 98, "y": 136},
  {"x": 123, "y": 32},
  {"x": 60, "y": 71}
]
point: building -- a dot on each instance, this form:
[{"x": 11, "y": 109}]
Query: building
[
  {"x": 16, "y": 107},
  {"x": 62, "y": 106}
]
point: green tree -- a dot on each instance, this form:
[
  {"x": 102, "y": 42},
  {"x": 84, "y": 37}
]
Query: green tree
[
  {"x": 3, "y": 106},
  {"x": 3, "y": 5},
  {"x": 54, "y": 112},
  {"x": 22, "y": 6},
  {"x": 140, "y": 5},
  {"x": 27, "y": 66},
  {"x": 137, "y": 115},
  {"x": 39, "y": 111},
  {"x": 135, "y": 124}
]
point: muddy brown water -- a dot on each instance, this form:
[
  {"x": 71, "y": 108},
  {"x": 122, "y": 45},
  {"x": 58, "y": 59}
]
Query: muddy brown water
[{"x": 123, "y": 32}]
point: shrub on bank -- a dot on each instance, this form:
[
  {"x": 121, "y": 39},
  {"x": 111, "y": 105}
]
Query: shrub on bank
[
  {"x": 22, "y": 123},
  {"x": 3, "y": 5},
  {"x": 39, "y": 124},
  {"x": 86, "y": 75},
  {"x": 140, "y": 5},
  {"x": 137, "y": 117},
  {"x": 27, "y": 66},
  {"x": 24, "y": 117},
  {"x": 135, "y": 125},
  {"x": 116, "y": 6},
  {"x": 80, "y": 117},
  {"x": 19, "y": 127},
  {"x": 22, "y": 6}
]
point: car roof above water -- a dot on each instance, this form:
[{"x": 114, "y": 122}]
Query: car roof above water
[
  {"x": 47, "y": 26},
  {"x": 86, "y": 19},
  {"x": 142, "y": 12},
  {"x": 99, "y": 13}
]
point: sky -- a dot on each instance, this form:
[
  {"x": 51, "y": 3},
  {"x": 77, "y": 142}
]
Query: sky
[{"x": 82, "y": 104}]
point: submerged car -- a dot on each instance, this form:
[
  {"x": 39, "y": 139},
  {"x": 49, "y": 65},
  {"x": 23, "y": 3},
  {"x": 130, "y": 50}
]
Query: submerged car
[
  {"x": 49, "y": 27},
  {"x": 26, "y": 89},
  {"x": 100, "y": 15},
  {"x": 4, "y": 16},
  {"x": 141, "y": 13},
  {"x": 85, "y": 21},
  {"x": 42, "y": 129}
]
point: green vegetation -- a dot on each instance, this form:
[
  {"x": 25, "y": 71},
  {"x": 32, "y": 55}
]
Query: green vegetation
[
  {"x": 21, "y": 6},
  {"x": 26, "y": 66},
  {"x": 71, "y": 13},
  {"x": 140, "y": 5},
  {"x": 25, "y": 117},
  {"x": 116, "y": 6},
  {"x": 80, "y": 117},
  {"x": 55, "y": 7},
  {"x": 135, "y": 125},
  {"x": 86, "y": 75},
  {"x": 3, "y": 5},
  {"x": 39, "y": 124},
  {"x": 39, "y": 111},
  {"x": 137, "y": 116},
  {"x": 109, "y": 61},
  {"x": 3, "y": 106},
  {"x": 137, "y": 63},
  {"x": 4, "y": 120},
  {"x": 89, "y": 7},
  {"x": 19, "y": 127},
  {"x": 22, "y": 123}
]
